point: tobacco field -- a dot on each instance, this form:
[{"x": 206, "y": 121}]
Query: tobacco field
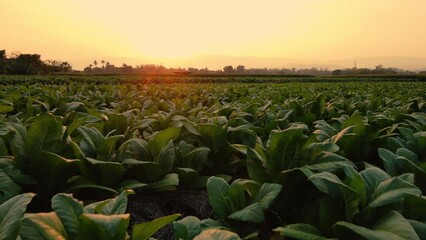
[{"x": 265, "y": 160}]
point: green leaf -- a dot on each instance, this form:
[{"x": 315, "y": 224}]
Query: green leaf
[
  {"x": 5, "y": 108},
  {"x": 44, "y": 134},
  {"x": 267, "y": 194},
  {"x": 373, "y": 176},
  {"x": 187, "y": 228},
  {"x": 169, "y": 181},
  {"x": 145, "y": 230},
  {"x": 11, "y": 213},
  {"x": 130, "y": 185},
  {"x": 52, "y": 172},
  {"x": 300, "y": 231},
  {"x": 345, "y": 230},
  {"x": 107, "y": 174},
  {"x": 98, "y": 226},
  {"x": 252, "y": 213},
  {"x": 95, "y": 145},
  {"x": 217, "y": 234},
  {"x": 391, "y": 191},
  {"x": 284, "y": 148},
  {"x": 116, "y": 205},
  {"x": 166, "y": 157},
  {"x": 419, "y": 227},
  {"x": 42, "y": 226},
  {"x": 217, "y": 189},
  {"x": 196, "y": 158},
  {"x": 332, "y": 185},
  {"x": 68, "y": 210},
  {"x": 395, "y": 223},
  {"x": 391, "y": 164},
  {"x": 161, "y": 138},
  {"x": 143, "y": 171},
  {"x": 256, "y": 167},
  {"x": 8, "y": 188},
  {"x": 214, "y": 136}
]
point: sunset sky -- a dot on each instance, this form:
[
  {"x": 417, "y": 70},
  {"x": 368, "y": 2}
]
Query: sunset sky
[{"x": 183, "y": 33}]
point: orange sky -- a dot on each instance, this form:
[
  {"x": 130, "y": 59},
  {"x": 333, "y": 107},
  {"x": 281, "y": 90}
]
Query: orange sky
[{"x": 177, "y": 33}]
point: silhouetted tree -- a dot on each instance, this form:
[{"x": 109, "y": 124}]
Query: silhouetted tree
[
  {"x": 95, "y": 63},
  {"x": 103, "y": 63},
  {"x": 228, "y": 69},
  {"x": 240, "y": 68},
  {"x": 3, "y": 62}
]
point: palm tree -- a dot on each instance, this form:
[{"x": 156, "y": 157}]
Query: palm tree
[
  {"x": 95, "y": 63},
  {"x": 103, "y": 63}
]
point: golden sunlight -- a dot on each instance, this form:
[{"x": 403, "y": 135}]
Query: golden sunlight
[{"x": 177, "y": 32}]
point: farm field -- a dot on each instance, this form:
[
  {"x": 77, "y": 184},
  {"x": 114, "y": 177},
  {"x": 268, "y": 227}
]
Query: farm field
[{"x": 90, "y": 157}]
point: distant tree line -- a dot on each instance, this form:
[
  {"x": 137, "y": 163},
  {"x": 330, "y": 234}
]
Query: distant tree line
[
  {"x": 30, "y": 64},
  {"x": 107, "y": 68},
  {"x": 104, "y": 67},
  {"x": 366, "y": 71}
]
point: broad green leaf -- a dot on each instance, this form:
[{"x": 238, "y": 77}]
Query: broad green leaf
[
  {"x": 98, "y": 226},
  {"x": 42, "y": 226},
  {"x": 217, "y": 234},
  {"x": 166, "y": 157},
  {"x": 237, "y": 195},
  {"x": 8, "y": 188},
  {"x": 187, "y": 228},
  {"x": 391, "y": 164},
  {"x": 169, "y": 181},
  {"x": 116, "y": 205},
  {"x": 373, "y": 176},
  {"x": 68, "y": 210},
  {"x": 332, "y": 185},
  {"x": 266, "y": 194},
  {"x": 162, "y": 138},
  {"x": 252, "y": 213},
  {"x": 52, "y": 172},
  {"x": 300, "y": 231},
  {"x": 217, "y": 189},
  {"x": 143, "y": 171},
  {"x": 346, "y": 230},
  {"x": 391, "y": 191},
  {"x": 395, "y": 223},
  {"x": 144, "y": 231},
  {"x": 5, "y": 108},
  {"x": 196, "y": 158},
  {"x": 11, "y": 213},
  {"x": 44, "y": 135},
  {"x": 214, "y": 136},
  {"x": 256, "y": 167},
  {"x": 107, "y": 174},
  {"x": 95, "y": 145},
  {"x": 419, "y": 227},
  {"x": 284, "y": 147},
  {"x": 130, "y": 185}
]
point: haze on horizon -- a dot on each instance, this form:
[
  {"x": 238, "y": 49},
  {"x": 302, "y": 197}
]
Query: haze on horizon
[{"x": 271, "y": 33}]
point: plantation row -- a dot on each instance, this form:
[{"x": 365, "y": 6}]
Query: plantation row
[
  {"x": 209, "y": 79},
  {"x": 283, "y": 161}
]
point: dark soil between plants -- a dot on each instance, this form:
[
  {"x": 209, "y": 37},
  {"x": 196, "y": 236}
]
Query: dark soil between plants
[{"x": 145, "y": 207}]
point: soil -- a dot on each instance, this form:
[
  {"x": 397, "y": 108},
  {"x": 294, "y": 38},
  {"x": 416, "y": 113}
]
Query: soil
[{"x": 145, "y": 207}]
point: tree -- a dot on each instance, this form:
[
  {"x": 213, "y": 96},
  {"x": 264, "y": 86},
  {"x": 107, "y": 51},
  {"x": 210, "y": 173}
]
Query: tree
[
  {"x": 27, "y": 64},
  {"x": 103, "y": 63},
  {"x": 3, "y": 62},
  {"x": 228, "y": 69},
  {"x": 240, "y": 68},
  {"x": 95, "y": 63}
]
